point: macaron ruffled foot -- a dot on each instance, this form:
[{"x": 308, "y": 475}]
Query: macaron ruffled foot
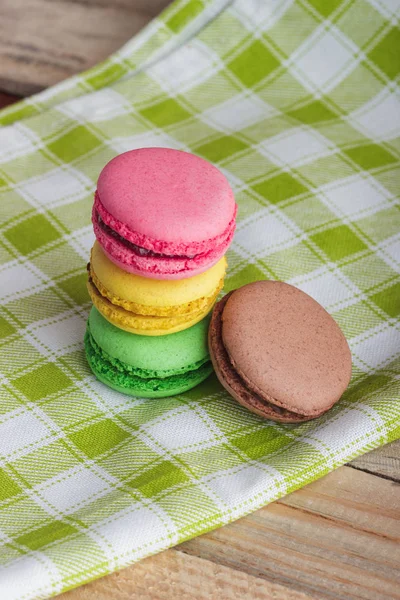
[
  {"x": 148, "y": 367},
  {"x": 148, "y": 306}
]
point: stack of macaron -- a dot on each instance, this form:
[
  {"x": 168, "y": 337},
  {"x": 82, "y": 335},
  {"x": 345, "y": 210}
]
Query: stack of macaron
[{"x": 163, "y": 220}]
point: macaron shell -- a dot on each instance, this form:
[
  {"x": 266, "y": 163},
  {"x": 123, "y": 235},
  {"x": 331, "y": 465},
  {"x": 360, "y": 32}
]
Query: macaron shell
[
  {"x": 146, "y": 296},
  {"x": 149, "y": 387},
  {"x": 232, "y": 382},
  {"x": 162, "y": 354},
  {"x": 155, "y": 267},
  {"x": 284, "y": 344},
  {"x": 146, "y": 325},
  {"x": 130, "y": 389},
  {"x": 191, "y": 198}
]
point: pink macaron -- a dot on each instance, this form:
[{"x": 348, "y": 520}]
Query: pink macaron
[{"x": 163, "y": 213}]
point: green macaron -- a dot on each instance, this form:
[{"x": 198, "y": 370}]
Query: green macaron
[{"x": 147, "y": 366}]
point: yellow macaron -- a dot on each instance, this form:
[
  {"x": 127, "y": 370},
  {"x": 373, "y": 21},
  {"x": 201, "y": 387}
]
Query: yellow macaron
[{"x": 151, "y": 306}]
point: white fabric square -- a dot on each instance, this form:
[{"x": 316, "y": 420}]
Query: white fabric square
[
  {"x": 73, "y": 490},
  {"x": 104, "y": 104},
  {"x": 343, "y": 436},
  {"x": 104, "y": 396},
  {"x": 238, "y": 113},
  {"x": 16, "y": 141},
  {"x": 295, "y": 147},
  {"x": 328, "y": 289},
  {"x": 82, "y": 241},
  {"x": 19, "y": 431},
  {"x": 128, "y": 533},
  {"x": 379, "y": 348},
  {"x": 58, "y": 184},
  {"x": 148, "y": 139},
  {"x": 29, "y": 575},
  {"x": 181, "y": 70},
  {"x": 180, "y": 431},
  {"x": 235, "y": 487},
  {"x": 234, "y": 181},
  {"x": 258, "y": 14},
  {"x": 322, "y": 59},
  {"x": 353, "y": 196},
  {"x": 379, "y": 118},
  {"x": 393, "y": 250},
  {"x": 262, "y": 233},
  {"x": 58, "y": 336},
  {"x": 17, "y": 279},
  {"x": 387, "y": 8}
]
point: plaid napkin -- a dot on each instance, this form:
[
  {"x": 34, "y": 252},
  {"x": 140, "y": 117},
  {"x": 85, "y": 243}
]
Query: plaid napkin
[{"x": 296, "y": 101}]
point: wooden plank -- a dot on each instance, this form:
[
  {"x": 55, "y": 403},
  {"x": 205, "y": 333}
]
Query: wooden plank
[
  {"x": 335, "y": 539},
  {"x": 384, "y": 461},
  {"x": 45, "y": 41},
  {"x": 173, "y": 575}
]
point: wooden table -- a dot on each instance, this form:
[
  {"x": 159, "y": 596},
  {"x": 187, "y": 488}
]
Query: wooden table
[
  {"x": 335, "y": 539},
  {"x": 338, "y": 538}
]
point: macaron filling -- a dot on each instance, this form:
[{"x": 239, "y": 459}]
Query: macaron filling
[
  {"x": 145, "y": 247},
  {"x": 225, "y": 364},
  {"x": 138, "y": 250},
  {"x": 189, "y": 309},
  {"x": 125, "y": 376}
]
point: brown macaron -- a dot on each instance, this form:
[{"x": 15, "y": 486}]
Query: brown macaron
[{"x": 278, "y": 352}]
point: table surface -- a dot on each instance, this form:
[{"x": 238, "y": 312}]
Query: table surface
[{"x": 337, "y": 538}]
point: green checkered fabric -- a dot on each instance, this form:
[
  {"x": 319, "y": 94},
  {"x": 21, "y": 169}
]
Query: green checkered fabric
[{"x": 296, "y": 101}]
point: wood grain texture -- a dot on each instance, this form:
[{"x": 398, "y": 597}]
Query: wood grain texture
[
  {"x": 45, "y": 41},
  {"x": 337, "y": 538},
  {"x": 384, "y": 461},
  {"x": 173, "y": 575}
]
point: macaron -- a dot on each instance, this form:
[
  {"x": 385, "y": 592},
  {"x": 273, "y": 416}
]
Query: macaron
[
  {"x": 278, "y": 352},
  {"x": 150, "y": 367},
  {"x": 162, "y": 213},
  {"x": 150, "y": 306}
]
